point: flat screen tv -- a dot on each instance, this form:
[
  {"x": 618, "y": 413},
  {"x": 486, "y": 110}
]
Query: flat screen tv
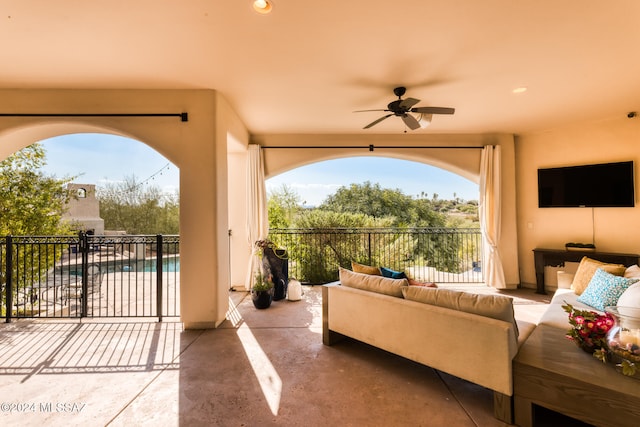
[{"x": 599, "y": 185}]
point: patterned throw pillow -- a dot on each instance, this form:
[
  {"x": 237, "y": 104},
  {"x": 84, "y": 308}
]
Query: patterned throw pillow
[{"x": 605, "y": 289}]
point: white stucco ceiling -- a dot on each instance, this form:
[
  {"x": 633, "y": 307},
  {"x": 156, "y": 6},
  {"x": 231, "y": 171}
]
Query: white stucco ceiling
[{"x": 305, "y": 67}]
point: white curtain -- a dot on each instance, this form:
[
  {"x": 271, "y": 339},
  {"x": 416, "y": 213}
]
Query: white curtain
[
  {"x": 490, "y": 199},
  {"x": 257, "y": 218}
]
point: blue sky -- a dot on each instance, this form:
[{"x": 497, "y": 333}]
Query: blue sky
[
  {"x": 100, "y": 159},
  {"x": 316, "y": 181}
]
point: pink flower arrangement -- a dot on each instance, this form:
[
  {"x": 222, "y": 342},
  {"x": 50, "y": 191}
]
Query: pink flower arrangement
[{"x": 589, "y": 330}]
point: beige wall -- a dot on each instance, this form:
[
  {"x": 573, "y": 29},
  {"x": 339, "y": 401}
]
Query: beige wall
[
  {"x": 239, "y": 245},
  {"x": 198, "y": 147},
  {"x": 615, "y": 229},
  {"x": 465, "y": 162},
  {"x": 83, "y": 210}
]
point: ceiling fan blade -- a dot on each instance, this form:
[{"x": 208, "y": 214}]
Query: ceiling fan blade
[
  {"x": 411, "y": 122},
  {"x": 409, "y": 102},
  {"x": 364, "y": 111},
  {"x": 375, "y": 122},
  {"x": 433, "y": 110}
]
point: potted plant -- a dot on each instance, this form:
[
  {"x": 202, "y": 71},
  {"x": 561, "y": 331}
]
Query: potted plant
[
  {"x": 275, "y": 266},
  {"x": 262, "y": 291}
]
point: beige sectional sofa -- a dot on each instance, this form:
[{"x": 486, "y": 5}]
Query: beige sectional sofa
[
  {"x": 555, "y": 315},
  {"x": 473, "y": 337}
]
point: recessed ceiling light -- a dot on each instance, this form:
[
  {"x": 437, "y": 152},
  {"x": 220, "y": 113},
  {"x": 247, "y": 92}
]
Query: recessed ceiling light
[
  {"x": 262, "y": 6},
  {"x": 521, "y": 89}
]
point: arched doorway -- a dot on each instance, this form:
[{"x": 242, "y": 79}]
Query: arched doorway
[
  {"x": 400, "y": 214},
  {"x": 197, "y": 146},
  {"x": 460, "y": 154}
]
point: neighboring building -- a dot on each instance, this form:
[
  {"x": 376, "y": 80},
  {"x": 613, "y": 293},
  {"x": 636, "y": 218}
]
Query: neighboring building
[{"x": 83, "y": 209}]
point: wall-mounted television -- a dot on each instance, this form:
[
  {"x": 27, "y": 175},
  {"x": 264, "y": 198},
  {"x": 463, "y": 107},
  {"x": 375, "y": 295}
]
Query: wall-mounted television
[{"x": 598, "y": 185}]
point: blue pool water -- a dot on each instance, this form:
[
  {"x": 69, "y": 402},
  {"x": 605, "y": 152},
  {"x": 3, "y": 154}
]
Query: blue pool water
[{"x": 170, "y": 265}]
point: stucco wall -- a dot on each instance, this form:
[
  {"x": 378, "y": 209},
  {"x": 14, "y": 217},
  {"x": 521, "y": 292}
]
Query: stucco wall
[{"x": 614, "y": 229}]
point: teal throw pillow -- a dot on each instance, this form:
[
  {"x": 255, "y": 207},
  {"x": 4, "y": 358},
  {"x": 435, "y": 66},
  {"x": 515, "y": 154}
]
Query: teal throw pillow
[
  {"x": 605, "y": 289},
  {"x": 387, "y": 272}
]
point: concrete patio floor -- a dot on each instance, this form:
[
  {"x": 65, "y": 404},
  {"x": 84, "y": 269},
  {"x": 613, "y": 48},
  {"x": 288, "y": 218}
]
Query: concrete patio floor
[{"x": 260, "y": 368}]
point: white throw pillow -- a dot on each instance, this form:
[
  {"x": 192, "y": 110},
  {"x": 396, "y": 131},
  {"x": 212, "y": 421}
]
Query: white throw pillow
[
  {"x": 565, "y": 279},
  {"x": 632, "y": 271},
  {"x": 630, "y": 297}
]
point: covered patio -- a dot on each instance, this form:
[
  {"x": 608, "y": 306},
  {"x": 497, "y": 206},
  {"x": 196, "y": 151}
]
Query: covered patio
[{"x": 260, "y": 367}]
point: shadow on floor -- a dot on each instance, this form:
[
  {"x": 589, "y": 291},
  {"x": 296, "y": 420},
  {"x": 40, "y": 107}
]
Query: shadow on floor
[{"x": 260, "y": 368}]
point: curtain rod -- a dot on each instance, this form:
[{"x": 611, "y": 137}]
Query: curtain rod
[
  {"x": 372, "y": 147},
  {"x": 184, "y": 117}
]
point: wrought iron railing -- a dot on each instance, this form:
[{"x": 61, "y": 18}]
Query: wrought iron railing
[
  {"x": 89, "y": 276},
  {"x": 138, "y": 276},
  {"x": 442, "y": 255}
]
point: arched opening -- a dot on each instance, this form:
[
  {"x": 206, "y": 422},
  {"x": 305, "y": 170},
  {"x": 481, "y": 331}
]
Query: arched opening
[
  {"x": 461, "y": 154},
  {"x": 385, "y": 211},
  {"x": 83, "y": 268},
  {"x": 198, "y": 146}
]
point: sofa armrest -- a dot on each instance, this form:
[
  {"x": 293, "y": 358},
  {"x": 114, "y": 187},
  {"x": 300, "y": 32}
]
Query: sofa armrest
[{"x": 329, "y": 337}]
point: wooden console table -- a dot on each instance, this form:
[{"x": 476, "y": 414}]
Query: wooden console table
[
  {"x": 555, "y": 257},
  {"x": 552, "y": 372}
]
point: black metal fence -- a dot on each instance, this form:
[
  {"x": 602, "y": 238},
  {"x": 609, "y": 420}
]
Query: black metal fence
[
  {"x": 443, "y": 255},
  {"x": 89, "y": 276},
  {"x": 138, "y": 276}
]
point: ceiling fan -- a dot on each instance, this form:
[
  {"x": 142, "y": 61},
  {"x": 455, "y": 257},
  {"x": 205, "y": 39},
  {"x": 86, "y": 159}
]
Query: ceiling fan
[{"x": 402, "y": 108}]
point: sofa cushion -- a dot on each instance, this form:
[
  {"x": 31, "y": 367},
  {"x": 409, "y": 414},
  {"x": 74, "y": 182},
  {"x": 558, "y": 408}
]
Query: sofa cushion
[
  {"x": 554, "y": 315},
  {"x": 373, "y": 283},
  {"x": 630, "y": 297},
  {"x": 387, "y": 272},
  {"x": 605, "y": 289},
  {"x": 494, "y": 306},
  {"x": 365, "y": 269},
  {"x": 587, "y": 269},
  {"x": 632, "y": 271}
]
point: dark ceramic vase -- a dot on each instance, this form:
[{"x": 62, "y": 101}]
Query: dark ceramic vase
[{"x": 262, "y": 299}]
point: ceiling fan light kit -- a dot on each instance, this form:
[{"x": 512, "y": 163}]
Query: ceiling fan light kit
[
  {"x": 402, "y": 107},
  {"x": 425, "y": 120}
]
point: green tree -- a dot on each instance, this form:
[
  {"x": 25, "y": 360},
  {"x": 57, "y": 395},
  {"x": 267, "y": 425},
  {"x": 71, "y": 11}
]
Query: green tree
[
  {"x": 31, "y": 204},
  {"x": 136, "y": 209},
  {"x": 423, "y": 214},
  {"x": 283, "y": 205},
  {"x": 333, "y": 242},
  {"x": 377, "y": 202}
]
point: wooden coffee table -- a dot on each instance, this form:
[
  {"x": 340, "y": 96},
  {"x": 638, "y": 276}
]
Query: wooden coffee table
[{"x": 552, "y": 372}]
